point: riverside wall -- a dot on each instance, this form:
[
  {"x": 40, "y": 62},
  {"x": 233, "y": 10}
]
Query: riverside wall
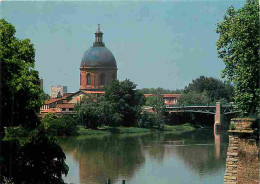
[{"x": 242, "y": 163}]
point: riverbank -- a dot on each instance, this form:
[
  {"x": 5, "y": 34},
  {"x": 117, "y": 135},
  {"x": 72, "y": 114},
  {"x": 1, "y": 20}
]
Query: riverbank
[
  {"x": 24, "y": 135},
  {"x": 106, "y": 130}
]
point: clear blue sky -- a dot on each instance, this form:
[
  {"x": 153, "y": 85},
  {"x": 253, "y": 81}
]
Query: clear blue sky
[{"x": 156, "y": 43}]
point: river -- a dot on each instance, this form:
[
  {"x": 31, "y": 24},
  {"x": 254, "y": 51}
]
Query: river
[{"x": 196, "y": 157}]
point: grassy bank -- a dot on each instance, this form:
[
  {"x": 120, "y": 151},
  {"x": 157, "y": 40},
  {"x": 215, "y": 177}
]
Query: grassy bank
[
  {"x": 23, "y": 134},
  {"x": 105, "y": 130}
]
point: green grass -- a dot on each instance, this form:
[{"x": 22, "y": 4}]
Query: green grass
[
  {"x": 106, "y": 130},
  {"x": 178, "y": 128},
  {"x": 85, "y": 131}
]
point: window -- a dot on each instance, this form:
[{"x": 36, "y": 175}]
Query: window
[
  {"x": 88, "y": 79},
  {"x": 102, "y": 79}
]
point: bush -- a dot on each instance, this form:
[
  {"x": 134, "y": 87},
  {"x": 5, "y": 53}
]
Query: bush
[
  {"x": 60, "y": 126},
  {"x": 19, "y": 131},
  {"x": 150, "y": 120},
  {"x": 232, "y": 126}
]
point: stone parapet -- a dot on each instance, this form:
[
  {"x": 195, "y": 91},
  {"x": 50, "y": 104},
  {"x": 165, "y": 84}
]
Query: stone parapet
[{"x": 242, "y": 163}]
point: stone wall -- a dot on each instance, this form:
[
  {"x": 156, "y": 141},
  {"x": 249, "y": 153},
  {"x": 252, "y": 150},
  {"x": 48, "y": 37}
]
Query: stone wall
[{"x": 242, "y": 163}]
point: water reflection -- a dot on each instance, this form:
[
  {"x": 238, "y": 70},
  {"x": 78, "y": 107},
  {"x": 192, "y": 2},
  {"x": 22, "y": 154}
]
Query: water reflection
[
  {"x": 106, "y": 157},
  {"x": 197, "y": 157}
]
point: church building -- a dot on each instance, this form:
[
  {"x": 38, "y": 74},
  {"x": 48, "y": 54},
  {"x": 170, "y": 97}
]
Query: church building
[
  {"x": 98, "y": 69},
  {"x": 98, "y": 66}
]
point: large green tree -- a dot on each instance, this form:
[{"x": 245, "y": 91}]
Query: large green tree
[
  {"x": 90, "y": 112},
  {"x": 238, "y": 47},
  {"x": 125, "y": 100},
  {"x": 194, "y": 98},
  {"x": 214, "y": 89},
  {"x": 21, "y": 94}
]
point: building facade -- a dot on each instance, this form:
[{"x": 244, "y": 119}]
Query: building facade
[
  {"x": 58, "y": 91},
  {"x": 98, "y": 66}
]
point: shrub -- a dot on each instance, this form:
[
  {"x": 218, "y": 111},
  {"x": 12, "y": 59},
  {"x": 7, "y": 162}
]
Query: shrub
[
  {"x": 59, "y": 126},
  {"x": 232, "y": 126},
  {"x": 18, "y": 131},
  {"x": 150, "y": 120}
]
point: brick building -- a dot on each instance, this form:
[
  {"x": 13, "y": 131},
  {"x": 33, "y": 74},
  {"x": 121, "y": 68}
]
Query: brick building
[{"x": 98, "y": 66}]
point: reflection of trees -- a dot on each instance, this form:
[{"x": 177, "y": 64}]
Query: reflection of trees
[
  {"x": 106, "y": 157},
  {"x": 153, "y": 146},
  {"x": 117, "y": 156}
]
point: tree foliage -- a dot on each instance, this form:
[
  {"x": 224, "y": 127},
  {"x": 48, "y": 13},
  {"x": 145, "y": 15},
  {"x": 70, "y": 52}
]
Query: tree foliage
[
  {"x": 157, "y": 103},
  {"x": 22, "y": 95},
  {"x": 159, "y": 91},
  {"x": 215, "y": 89},
  {"x": 90, "y": 113},
  {"x": 65, "y": 125},
  {"x": 193, "y": 98},
  {"x": 238, "y": 47},
  {"x": 150, "y": 120},
  {"x": 125, "y": 100},
  {"x": 120, "y": 106},
  {"x": 41, "y": 160}
]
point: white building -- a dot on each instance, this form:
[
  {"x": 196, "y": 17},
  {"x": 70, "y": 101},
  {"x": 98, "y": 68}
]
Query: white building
[{"x": 57, "y": 91}]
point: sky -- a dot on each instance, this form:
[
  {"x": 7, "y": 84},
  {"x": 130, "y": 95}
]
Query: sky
[{"x": 155, "y": 43}]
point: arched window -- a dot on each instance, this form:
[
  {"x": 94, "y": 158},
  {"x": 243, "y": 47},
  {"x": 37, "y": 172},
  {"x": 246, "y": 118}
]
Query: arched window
[
  {"x": 102, "y": 79},
  {"x": 88, "y": 79}
]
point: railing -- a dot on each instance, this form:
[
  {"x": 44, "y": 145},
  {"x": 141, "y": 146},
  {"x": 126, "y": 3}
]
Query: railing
[{"x": 227, "y": 108}]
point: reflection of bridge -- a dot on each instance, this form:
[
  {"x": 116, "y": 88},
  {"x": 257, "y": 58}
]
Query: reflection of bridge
[{"x": 218, "y": 110}]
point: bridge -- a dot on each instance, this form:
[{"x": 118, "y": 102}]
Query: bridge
[{"x": 218, "y": 110}]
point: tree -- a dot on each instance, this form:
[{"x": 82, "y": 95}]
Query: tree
[
  {"x": 238, "y": 47},
  {"x": 215, "y": 89},
  {"x": 65, "y": 125},
  {"x": 90, "y": 113},
  {"x": 41, "y": 160},
  {"x": 21, "y": 92},
  {"x": 125, "y": 100},
  {"x": 159, "y": 91},
  {"x": 157, "y": 103},
  {"x": 193, "y": 98}
]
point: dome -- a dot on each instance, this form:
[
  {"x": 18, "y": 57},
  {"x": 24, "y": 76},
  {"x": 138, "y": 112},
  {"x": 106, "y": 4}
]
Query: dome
[{"x": 98, "y": 57}]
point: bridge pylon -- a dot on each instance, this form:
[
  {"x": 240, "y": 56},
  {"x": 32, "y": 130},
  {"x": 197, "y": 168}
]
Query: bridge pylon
[{"x": 218, "y": 117}]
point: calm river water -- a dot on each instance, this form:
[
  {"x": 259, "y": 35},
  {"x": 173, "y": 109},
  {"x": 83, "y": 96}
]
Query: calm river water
[{"x": 196, "y": 157}]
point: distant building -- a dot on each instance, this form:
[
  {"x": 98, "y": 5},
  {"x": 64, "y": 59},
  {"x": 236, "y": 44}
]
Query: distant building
[
  {"x": 169, "y": 99},
  {"x": 58, "y": 91}
]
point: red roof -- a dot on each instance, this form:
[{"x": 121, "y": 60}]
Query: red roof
[
  {"x": 171, "y": 95},
  {"x": 148, "y": 95},
  {"x": 66, "y": 95},
  {"x": 51, "y": 100},
  {"x": 66, "y": 105},
  {"x": 52, "y": 110},
  {"x": 94, "y": 92}
]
